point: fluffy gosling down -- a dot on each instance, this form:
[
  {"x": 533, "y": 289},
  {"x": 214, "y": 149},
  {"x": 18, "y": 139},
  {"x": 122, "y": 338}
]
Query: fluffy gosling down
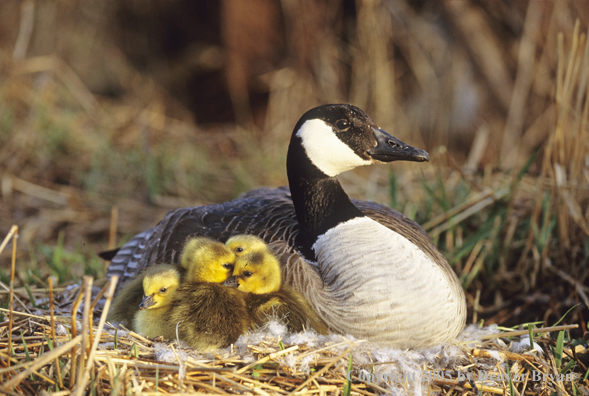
[
  {"x": 207, "y": 260},
  {"x": 188, "y": 302},
  {"x": 257, "y": 271},
  {"x": 207, "y": 314},
  {"x": 160, "y": 283}
]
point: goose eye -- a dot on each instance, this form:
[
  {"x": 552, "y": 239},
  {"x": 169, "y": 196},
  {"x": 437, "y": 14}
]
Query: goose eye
[
  {"x": 239, "y": 249},
  {"x": 247, "y": 274},
  {"x": 342, "y": 125},
  {"x": 228, "y": 266},
  {"x": 163, "y": 289}
]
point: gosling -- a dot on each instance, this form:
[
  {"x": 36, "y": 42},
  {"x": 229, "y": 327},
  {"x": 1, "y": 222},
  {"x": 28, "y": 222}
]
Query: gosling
[
  {"x": 204, "y": 313},
  {"x": 257, "y": 271},
  {"x": 207, "y": 260},
  {"x": 160, "y": 283}
]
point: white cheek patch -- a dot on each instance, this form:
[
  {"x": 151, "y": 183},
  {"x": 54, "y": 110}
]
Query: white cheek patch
[{"x": 326, "y": 151}]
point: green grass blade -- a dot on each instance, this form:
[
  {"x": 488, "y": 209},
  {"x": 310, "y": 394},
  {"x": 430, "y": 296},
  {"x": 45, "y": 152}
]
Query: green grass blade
[
  {"x": 566, "y": 313},
  {"x": 134, "y": 352},
  {"x": 92, "y": 387},
  {"x": 569, "y": 366},
  {"x": 530, "y": 327},
  {"x": 527, "y": 165},
  {"x": 508, "y": 369},
  {"x": 256, "y": 370},
  {"x": 22, "y": 336},
  {"x": 348, "y": 385},
  {"x": 558, "y": 349},
  {"x": 116, "y": 380},
  {"x": 49, "y": 342},
  {"x": 30, "y": 293},
  {"x": 26, "y": 347}
]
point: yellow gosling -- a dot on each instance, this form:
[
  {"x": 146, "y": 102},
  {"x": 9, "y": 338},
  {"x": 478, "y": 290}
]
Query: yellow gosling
[
  {"x": 257, "y": 271},
  {"x": 207, "y": 260},
  {"x": 160, "y": 284},
  {"x": 207, "y": 314}
]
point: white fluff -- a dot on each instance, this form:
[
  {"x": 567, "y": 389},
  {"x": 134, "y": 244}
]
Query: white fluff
[
  {"x": 524, "y": 345},
  {"x": 164, "y": 353},
  {"x": 61, "y": 330}
]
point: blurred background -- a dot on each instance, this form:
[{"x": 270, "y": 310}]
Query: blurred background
[{"x": 114, "y": 112}]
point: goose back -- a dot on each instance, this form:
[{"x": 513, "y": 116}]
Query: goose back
[{"x": 267, "y": 213}]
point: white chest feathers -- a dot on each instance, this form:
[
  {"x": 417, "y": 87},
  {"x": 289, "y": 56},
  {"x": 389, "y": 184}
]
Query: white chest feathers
[{"x": 383, "y": 287}]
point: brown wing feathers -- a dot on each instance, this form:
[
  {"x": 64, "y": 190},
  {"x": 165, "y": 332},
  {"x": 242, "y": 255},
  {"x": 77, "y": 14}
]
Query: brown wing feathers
[{"x": 267, "y": 213}]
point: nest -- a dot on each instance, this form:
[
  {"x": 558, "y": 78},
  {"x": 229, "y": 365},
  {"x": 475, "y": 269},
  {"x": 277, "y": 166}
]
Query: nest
[{"x": 55, "y": 345}]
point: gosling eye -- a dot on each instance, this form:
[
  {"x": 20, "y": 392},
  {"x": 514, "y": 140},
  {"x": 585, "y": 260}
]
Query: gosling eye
[
  {"x": 239, "y": 249},
  {"x": 247, "y": 274},
  {"x": 342, "y": 125},
  {"x": 163, "y": 289},
  {"x": 228, "y": 266}
]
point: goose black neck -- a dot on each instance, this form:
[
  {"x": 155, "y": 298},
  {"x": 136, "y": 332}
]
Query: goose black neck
[{"x": 320, "y": 202}]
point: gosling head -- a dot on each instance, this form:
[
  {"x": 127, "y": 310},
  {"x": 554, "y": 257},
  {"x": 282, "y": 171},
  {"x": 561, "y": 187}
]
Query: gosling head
[
  {"x": 159, "y": 284},
  {"x": 256, "y": 270},
  {"x": 206, "y": 260}
]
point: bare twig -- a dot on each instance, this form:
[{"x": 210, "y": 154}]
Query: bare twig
[
  {"x": 81, "y": 385},
  {"x": 524, "y": 332},
  {"x": 25, "y": 31},
  {"x": 14, "y": 231},
  {"x": 53, "y": 337}
]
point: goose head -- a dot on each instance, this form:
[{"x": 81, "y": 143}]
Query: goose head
[
  {"x": 159, "y": 284},
  {"x": 339, "y": 137},
  {"x": 256, "y": 270},
  {"x": 206, "y": 260}
]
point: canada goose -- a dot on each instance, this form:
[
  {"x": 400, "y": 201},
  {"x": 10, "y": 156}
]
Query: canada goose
[
  {"x": 257, "y": 272},
  {"x": 367, "y": 270},
  {"x": 160, "y": 283}
]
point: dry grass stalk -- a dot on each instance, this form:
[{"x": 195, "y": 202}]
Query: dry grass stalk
[
  {"x": 535, "y": 331},
  {"x": 74, "y": 329},
  {"x": 324, "y": 369},
  {"x": 53, "y": 337},
  {"x": 14, "y": 232},
  {"x": 86, "y": 329},
  {"x": 523, "y": 83},
  {"x": 109, "y": 296}
]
